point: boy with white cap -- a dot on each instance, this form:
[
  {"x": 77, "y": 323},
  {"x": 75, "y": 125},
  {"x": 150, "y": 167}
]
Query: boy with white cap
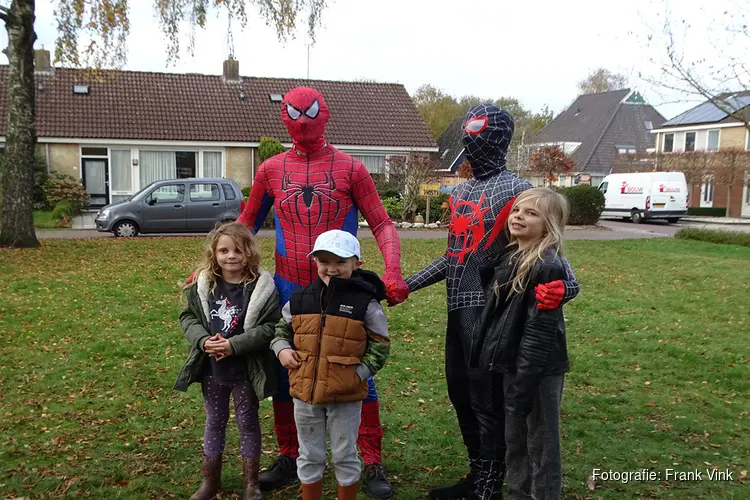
[{"x": 332, "y": 336}]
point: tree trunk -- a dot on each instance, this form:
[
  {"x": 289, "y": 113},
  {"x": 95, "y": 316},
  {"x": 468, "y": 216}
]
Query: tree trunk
[
  {"x": 20, "y": 141},
  {"x": 729, "y": 201}
]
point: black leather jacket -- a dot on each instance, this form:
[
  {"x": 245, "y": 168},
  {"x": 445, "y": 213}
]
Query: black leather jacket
[{"x": 515, "y": 337}]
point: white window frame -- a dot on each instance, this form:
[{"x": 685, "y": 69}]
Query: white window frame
[
  {"x": 718, "y": 140},
  {"x": 664, "y": 142},
  {"x": 695, "y": 141},
  {"x": 707, "y": 191}
]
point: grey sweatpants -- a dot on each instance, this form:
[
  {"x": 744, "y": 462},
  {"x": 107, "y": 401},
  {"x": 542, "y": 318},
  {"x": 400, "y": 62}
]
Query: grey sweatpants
[
  {"x": 342, "y": 421},
  {"x": 533, "y": 458}
]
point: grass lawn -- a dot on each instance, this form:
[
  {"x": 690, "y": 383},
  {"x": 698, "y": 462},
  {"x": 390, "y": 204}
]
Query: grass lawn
[{"x": 91, "y": 346}]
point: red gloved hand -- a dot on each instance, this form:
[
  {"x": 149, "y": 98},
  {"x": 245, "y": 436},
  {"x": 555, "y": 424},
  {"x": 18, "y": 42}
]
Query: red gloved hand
[
  {"x": 396, "y": 289},
  {"x": 550, "y": 295}
]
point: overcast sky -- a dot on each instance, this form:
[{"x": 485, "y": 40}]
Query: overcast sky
[{"x": 536, "y": 51}]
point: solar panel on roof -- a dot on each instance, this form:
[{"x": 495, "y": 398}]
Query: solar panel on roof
[{"x": 708, "y": 112}]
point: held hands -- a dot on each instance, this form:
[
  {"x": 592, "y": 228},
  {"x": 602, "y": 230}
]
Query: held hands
[
  {"x": 289, "y": 359},
  {"x": 218, "y": 347},
  {"x": 550, "y": 295},
  {"x": 396, "y": 289}
]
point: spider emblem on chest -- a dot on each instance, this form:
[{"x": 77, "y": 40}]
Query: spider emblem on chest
[{"x": 309, "y": 193}]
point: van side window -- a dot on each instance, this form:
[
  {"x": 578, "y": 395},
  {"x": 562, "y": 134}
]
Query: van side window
[
  {"x": 204, "y": 192},
  {"x": 228, "y": 192},
  {"x": 603, "y": 187},
  {"x": 169, "y": 193}
]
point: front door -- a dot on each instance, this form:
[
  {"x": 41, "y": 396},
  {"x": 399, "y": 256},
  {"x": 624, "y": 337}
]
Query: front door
[
  {"x": 96, "y": 181},
  {"x": 746, "y": 196}
]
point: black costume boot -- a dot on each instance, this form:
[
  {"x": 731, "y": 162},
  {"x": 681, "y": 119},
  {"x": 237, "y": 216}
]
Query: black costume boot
[
  {"x": 375, "y": 482},
  {"x": 282, "y": 472}
]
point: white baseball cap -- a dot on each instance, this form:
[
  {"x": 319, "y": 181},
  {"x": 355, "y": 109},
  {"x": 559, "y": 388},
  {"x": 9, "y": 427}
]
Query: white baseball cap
[{"x": 338, "y": 243}]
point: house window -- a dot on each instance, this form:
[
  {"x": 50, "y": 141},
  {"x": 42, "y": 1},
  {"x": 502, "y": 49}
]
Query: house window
[
  {"x": 375, "y": 164},
  {"x": 624, "y": 150},
  {"x": 713, "y": 140},
  {"x": 648, "y": 124},
  {"x": 708, "y": 189},
  {"x": 93, "y": 151},
  {"x": 689, "y": 141},
  {"x": 121, "y": 175},
  {"x": 186, "y": 164},
  {"x": 211, "y": 164},
  {"x": 668, "y": 146}
]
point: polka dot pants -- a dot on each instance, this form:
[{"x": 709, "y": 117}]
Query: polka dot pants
[{"x": 216, "y": 402}]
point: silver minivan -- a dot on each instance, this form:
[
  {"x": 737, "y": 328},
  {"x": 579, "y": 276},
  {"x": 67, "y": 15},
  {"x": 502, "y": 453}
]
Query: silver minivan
[{"x": 175, "y": 205}]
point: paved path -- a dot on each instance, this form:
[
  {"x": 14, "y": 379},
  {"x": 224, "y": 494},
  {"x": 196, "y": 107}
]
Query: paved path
[{"x": 610, "y": 230}]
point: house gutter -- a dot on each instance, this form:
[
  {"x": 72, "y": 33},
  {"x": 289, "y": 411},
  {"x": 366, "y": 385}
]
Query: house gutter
[{"x": 46, "y": 158}]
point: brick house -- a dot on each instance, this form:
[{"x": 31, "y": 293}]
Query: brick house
[
  {"x": 121, "y": 130},
  {"x": 706, "y": 128}
]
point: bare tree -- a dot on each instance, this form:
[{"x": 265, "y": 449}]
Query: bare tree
[
  {"x": 602, "y": 80},
  {"x": 407, "y": 173},
  {"x": 722, "y": 79}
]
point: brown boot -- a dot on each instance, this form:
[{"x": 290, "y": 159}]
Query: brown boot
[
  {"x": 348, "y": 492},
  {"x": 211, "y": 483},
  {"x": 250, "y": 470},
  {"x": 312, "y": 491}
]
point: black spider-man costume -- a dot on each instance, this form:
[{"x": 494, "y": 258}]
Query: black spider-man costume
[
  {"x": 314, "y": 188},
  {"x": 479, "y": 211}
]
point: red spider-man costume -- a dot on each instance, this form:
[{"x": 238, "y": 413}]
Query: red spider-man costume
[{"x": 314, "y": 188}]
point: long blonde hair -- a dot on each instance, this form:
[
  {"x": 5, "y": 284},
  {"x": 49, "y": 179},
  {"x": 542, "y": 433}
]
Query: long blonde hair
[
  {"x": 245, "y": 243},
  {"x": 553, "y": 210}
]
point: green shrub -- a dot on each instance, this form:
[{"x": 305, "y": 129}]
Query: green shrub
[
  {"x": 708, "y": 211},
  {"x": 586, "y": 204},
  {"x": 61, "y": 187},
  {"x": 387, "y": 189},
  {"x": 246, "y": 192},
  {"x": 712, "y": 236},
  {"x": 269, "y": 147},
  {"x": 393, "y": 206},
  {"x": 62, "y": 210},
  {"x": 436, "y": 203}
]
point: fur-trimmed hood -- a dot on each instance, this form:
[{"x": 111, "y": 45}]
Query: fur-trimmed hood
[{"x": 264, "y": 288}]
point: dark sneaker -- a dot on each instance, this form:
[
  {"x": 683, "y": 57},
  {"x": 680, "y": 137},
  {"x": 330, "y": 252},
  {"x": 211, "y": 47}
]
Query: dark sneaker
[
  {"x": 282, "y": 472},
  {"x": 375, "y": 482},
  {"x": 459, "y": 491}
]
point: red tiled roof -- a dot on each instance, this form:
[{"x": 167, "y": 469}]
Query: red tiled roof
[{"x": 191, "y": 107}]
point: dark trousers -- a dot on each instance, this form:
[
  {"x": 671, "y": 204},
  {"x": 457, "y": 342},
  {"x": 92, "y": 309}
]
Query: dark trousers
[
  {"x": 533, "y": 460},
  {"x": 216, "y": 394},
  {"x": 475, "y": 394}
]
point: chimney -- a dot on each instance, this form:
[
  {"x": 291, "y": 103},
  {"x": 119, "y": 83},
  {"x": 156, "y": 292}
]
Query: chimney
[
  {"x": 42, "y": 61},
  {"x": 231, "y": 70}
]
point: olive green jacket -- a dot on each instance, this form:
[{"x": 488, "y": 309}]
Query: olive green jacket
[{"x": 260, "y": 319}]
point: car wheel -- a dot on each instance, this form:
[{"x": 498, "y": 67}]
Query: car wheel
[
  {"x": 673, "y": 220},
  {"x": 126, "y": 229},
  {"x": 636, "y": 217}
]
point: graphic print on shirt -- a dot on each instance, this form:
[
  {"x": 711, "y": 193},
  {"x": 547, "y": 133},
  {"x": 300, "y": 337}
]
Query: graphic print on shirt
[{"x": 228, "y": 313}]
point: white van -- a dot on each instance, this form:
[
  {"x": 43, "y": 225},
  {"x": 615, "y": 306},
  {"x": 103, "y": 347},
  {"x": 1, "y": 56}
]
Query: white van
[{"x": 647, "y": 195}]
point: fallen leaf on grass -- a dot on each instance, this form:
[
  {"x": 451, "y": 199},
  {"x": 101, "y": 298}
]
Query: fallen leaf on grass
[{"x": 591, "y": 483}]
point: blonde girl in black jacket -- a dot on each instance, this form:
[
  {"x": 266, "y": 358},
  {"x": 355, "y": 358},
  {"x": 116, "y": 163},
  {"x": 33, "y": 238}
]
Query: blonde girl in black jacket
[{"x": 523, "y": 350}]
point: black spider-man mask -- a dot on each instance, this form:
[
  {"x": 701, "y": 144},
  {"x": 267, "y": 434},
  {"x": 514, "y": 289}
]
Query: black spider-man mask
[
  {"x": 488, "y": 130},
  {"x": 305, "y": 114}
]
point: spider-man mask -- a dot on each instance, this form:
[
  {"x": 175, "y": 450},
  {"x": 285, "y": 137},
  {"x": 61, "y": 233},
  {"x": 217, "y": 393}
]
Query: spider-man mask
[
  {"x": 305, "y": 114},
  {"x": 488, "y": 130}
]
